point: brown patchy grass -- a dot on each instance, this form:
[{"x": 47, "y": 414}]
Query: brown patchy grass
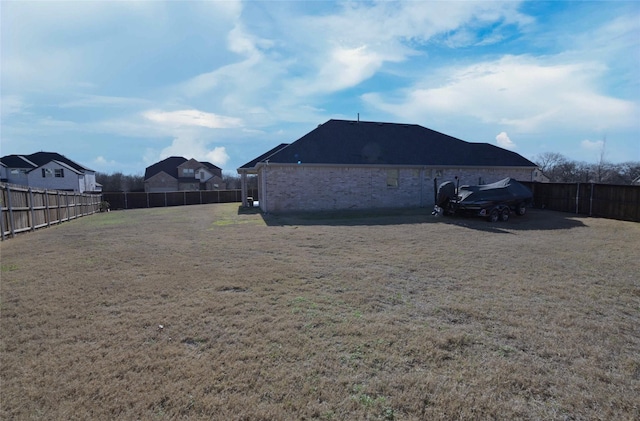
[{"x": 376, "y": 316}]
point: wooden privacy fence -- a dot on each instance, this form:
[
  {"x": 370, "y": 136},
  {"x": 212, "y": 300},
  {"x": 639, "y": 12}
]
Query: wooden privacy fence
[
  {"x": 27, "y": 209},
  {"x": 136, "y": 200},
  {"x": 600, "y": 200}
]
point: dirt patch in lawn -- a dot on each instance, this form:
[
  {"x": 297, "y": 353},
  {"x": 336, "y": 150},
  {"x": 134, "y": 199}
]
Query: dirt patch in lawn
[{"x": 211, "y": 312}]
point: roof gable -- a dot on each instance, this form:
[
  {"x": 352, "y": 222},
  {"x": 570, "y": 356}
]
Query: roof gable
[
  {"x": 57, "y": 164},
  {"x": 160, "y": 175},
  {"x": 360, "y": 143}
]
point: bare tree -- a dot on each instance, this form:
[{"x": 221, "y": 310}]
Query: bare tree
[
  {"x": 548, "y": 160},
  {"x": 561, "y": 170}
]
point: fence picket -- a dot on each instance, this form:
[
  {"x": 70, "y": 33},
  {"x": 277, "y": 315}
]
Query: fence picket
[
  {"x": 28, "y": 209},
  {"x": 600, "y": 200},
  {"x": 137, "y": 200}
]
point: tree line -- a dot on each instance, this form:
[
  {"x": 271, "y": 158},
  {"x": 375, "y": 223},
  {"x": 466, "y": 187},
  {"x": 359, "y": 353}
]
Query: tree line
[
  {"x": 119, "y": 182},
  {"x": 559, "y": 169}
]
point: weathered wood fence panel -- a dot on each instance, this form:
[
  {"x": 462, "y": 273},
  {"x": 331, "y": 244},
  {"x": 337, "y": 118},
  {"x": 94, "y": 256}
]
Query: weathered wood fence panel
[
  {"x": 27, "y": 209},
  {"x": 602, "y": 200},
  {"x": 136, "y": 200}
]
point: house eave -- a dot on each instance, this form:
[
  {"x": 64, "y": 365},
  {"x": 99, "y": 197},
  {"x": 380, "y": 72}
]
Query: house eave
[{"x": 410, "y": 166}]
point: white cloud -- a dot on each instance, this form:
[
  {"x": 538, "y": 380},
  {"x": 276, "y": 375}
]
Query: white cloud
[
  {"x": 11, "y": 104},
  {"x": 102, "y": 162},
  {"x": 504, "y": 142},
  {"x": 242, "y": 42},
  {"x": 343, "y": 68},
  {"x": 84, "y": 101},
  {"x": 523, "y": 92},
  {"x": 591, "y": 145},
  {"x": 329, "y": 52},
  {"x": 217, "y": 156},
  {"x": 190, "y": 145},
  {"x": 192, "y": 118}
]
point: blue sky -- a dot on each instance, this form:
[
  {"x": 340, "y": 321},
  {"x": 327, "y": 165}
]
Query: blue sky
[{"x": 117, "y": 86}]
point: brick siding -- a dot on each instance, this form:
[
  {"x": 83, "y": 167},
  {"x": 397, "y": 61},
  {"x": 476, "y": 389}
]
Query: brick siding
[{"x": 311, "y": 188}]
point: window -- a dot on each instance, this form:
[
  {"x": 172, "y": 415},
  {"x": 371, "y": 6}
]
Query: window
[
  {"x": 392, "y": 178},
  {"x": 46, "y": 172},
  {"x": 187, "y": 172},
  {"x": 59, "y": 173}
]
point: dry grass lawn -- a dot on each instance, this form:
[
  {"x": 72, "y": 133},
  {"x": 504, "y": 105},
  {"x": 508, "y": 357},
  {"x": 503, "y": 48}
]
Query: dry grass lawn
[{"x": 368, "y": 316}]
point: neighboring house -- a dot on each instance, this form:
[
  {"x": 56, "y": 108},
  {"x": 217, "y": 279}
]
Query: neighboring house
[
  {"x": 48, "y": 170},
  {"x": 177, "y": 173},
  {"x": 365, "y": 165}
]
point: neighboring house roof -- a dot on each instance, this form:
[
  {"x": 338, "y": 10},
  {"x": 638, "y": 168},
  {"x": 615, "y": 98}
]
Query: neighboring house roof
[
  {"x": 170, "y": 166},
  {"x": 210, "y": 165},
  {"x": 264, "y": 156},
  {"x": 360, "y": 143},
  {"x": 39, "y": 159},
  {"x": 17, "y": 161}
]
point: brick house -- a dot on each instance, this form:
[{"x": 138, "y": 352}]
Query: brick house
[
  {"x": 177, "y": 174},
  {"x": 345, "y": 164}
]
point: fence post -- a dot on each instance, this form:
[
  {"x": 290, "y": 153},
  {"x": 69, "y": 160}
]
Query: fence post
[
  {"x": 1, "y": 215},
  {"x": 46, "y": 204},
  {"x": 31, "y": 211},
  {"x": 10, "y": 208},
  {"x": 126, "y": 205},
  {"x": 66, "y": 198},
  {"x": 165, "y": 199},
  {"x": 591, "y": 202},
  {"x": 577, "y": 197},
  {"x": 148, "y": 204},
  {"x": 184, "y": 198},
  {"x": 59, "y": 220}
]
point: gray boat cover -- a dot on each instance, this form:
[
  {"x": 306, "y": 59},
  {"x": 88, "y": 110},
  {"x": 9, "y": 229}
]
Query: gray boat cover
[{"x": 507, "y": 190}]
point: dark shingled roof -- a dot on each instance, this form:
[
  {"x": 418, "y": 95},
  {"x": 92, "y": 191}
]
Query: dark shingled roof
[
  {"x": 360, "y": 143},
  {"x": 264, "y": 156},
  {"x": 170, "y": 166},
  {"x": 40, "y": 159}
]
